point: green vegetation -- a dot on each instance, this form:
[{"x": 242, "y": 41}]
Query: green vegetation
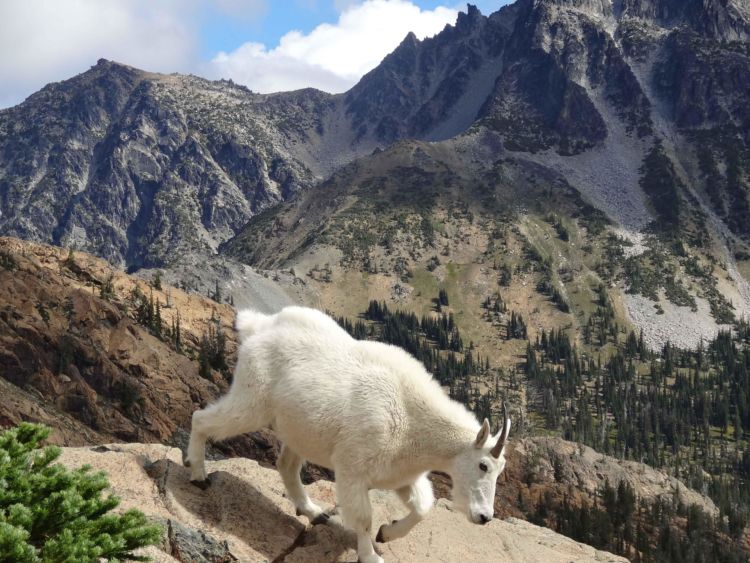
[
  {"x": 129, "y": 396},
  {"x": 546, "y": 285},
  {"x": 216, "y": 293},
  {"x": 8, "y": 262},
  {"x": 176, "y": 332},
  {"x": 324, "y": 274},
  {"x": 506, "y": 275},
  {"x": 442, "y": 299},
  {"x": 212, "y": 353},
  {"x": 664, "y": 264},
  {"x": 148, "y": 312},
  {"x": 723, "y": 149},
  {"x": 516, "y": 328},
  {"x": 684, "y": 410},
  {"x": 559, "y": 226},
  {"x": 661, "y": 183},
  {"x": 107, "y": 288},
  {"x": 49, "y": 513},
  {"x": 641, "y": 530}
]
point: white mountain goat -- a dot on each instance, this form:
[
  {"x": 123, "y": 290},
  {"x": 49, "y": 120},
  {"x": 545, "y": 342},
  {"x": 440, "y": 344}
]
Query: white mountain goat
[{"x": 367, "y": 410}]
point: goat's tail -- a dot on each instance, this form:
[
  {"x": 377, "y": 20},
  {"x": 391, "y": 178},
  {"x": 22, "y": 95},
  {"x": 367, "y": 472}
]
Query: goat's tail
[{"x": 250, "y": 322}]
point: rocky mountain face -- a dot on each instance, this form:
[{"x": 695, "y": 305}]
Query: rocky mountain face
[
  {"x": 640, "y": 107},
  {"x": 136, "y": 167},
  {"x": 141, "y": 168}
]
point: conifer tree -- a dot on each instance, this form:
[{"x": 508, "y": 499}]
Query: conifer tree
[{"x": 49, "y": 513}]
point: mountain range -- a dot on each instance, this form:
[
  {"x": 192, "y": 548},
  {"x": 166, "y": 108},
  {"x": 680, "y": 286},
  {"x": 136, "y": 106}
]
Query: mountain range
[
  {"x": 551, "y": 204},
  {"x": 134, "y": 166}
]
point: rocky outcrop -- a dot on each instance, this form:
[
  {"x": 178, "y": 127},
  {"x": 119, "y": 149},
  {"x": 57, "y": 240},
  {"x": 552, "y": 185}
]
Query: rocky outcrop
[
  {"x": 556, "y": 463},
  {"x": 725, "y": 20},
  {"x": 244, "y": 516}
]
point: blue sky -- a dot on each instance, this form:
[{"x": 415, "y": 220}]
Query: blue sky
[
  {"x": 223, "y": 32},
  {"x": 268, "y": 45}
]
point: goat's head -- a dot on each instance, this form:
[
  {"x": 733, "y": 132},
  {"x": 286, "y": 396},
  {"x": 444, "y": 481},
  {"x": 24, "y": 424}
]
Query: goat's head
[{"x": 475, "y": 473}]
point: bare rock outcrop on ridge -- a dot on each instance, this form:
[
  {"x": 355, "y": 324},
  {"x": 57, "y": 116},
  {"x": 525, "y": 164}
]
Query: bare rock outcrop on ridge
[{"x": 244, "y": 516}]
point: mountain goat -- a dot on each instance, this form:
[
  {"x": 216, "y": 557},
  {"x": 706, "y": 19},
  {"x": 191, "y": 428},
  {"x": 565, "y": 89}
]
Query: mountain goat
[{"x": 367, "y": 410}]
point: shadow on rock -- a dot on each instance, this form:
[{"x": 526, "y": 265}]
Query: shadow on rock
[{"x": 250, "y": 509}]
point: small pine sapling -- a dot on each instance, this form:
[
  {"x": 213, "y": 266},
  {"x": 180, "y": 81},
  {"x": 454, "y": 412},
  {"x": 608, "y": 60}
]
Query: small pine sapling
[{"x": 51, "y": 513}]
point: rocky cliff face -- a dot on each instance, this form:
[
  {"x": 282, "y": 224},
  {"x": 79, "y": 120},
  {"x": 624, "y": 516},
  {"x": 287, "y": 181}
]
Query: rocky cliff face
[{"x": 574, "y": 77}]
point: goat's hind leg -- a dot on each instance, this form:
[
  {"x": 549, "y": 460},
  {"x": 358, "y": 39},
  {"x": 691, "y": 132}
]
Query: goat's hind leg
[
  {"x": 419, "y": 498},
  {"x": 289, "y": 465},
  {"x": 221, "y": 420}
]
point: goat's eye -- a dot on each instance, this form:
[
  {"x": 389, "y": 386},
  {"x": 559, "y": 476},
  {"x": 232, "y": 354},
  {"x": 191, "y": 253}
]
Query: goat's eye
[{"x": 483, "y": 467}]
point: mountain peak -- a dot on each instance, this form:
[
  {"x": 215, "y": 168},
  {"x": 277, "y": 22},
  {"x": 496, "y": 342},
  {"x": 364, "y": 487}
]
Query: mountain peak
[
  {"x": 410, "y": 39},
  {"x": 468, "y": 19},
  {"x": 471, "y": 11},
  {"x": 106, "y": 64}
]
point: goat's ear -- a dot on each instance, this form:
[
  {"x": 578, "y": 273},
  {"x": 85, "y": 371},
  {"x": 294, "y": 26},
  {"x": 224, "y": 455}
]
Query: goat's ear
[{"x": 484, "y": 434}]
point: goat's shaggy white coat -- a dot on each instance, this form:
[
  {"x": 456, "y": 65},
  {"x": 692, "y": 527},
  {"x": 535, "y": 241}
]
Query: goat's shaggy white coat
[{"x": 367, "y": 410}]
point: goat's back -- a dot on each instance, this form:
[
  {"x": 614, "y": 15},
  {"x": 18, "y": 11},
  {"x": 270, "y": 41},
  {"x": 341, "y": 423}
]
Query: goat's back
[{"x": 323, "y": 389}]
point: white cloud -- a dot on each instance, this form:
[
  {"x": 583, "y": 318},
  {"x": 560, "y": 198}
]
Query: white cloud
[
  {"x": 332, "y": 57},
  {"x": 47, "y": 40}
]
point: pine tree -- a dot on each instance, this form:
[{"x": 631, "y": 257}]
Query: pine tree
[
  {"x": 157, "y": 328},
  {"x": 176, "y": 332},
  {"x": 107, "y": 289},
  {"x": 216, "y": 295},
  {"x": 443, "y": 297},
  {"x": 212, "y": 350},
  {"x": 49, "y": 513}
]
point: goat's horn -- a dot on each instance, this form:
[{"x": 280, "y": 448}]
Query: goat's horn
[{"x": 498, "y": 447}]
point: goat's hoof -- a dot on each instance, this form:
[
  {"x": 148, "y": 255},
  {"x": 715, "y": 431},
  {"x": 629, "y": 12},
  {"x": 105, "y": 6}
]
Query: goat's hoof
[
  {"x": 379, "y": 538},
  {"x": 185, "y": 462},
  {"x": 202, "y": 485},
  {"x": 321, "y": 518}
]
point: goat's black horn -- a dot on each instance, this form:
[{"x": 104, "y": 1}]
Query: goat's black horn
[{"x": 498, "y": 447}]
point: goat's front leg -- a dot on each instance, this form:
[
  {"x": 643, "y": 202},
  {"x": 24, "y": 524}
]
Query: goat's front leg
[
  {"x": 419, "y": 498},
  {"x": 356, "y": 511},
  {"x": 289, "y": 465}
]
